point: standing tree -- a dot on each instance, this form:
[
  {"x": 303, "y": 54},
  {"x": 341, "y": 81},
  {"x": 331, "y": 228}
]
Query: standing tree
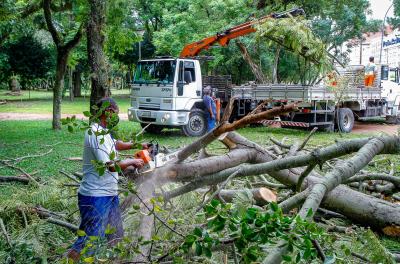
[
  {"x": 96, "y": 57},
  {"x": 63, "y": 50},
  {"x": 28, "y": 59}
]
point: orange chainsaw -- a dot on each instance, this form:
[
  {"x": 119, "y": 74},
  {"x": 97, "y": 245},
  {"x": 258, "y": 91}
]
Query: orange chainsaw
[{"x": 152, "y": 158}]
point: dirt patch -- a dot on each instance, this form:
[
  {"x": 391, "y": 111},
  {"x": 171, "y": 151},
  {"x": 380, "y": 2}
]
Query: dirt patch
[
  {"x": 359, "y": 127},
  {"x": 367, "y": 127},
  {"x": 28, "y": 116}
]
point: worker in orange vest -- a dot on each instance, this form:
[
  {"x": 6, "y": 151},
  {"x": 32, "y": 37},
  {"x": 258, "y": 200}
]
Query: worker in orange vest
[{"x": 370, "y": 72}]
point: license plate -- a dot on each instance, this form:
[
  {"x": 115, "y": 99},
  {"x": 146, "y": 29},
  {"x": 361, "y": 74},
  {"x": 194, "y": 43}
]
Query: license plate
[{"x": 146, "y": 114}]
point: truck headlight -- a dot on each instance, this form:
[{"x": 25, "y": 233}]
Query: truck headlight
[{"x": 165, "y": 117}]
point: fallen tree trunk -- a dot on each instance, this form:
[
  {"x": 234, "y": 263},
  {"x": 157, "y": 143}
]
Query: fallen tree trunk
[{"x": 23, "y": 180}]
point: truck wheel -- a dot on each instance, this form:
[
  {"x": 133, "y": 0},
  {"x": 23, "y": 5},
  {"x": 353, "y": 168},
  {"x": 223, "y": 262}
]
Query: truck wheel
[
  {"x": 345, "y": 120},
  {"x": 154, "y": 129},
  {"x": 197, "y": 124}
]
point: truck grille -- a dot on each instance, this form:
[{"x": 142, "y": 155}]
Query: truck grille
[{"x": 152, "y": 106}]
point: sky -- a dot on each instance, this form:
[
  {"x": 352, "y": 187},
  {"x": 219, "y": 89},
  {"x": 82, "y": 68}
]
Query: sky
[{"x": 379, "y": 8}]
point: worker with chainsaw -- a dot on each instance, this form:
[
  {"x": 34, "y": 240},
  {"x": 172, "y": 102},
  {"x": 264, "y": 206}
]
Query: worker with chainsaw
[
  {"x": 370, "y": 72},
  {"x": 210, "y": 109},
  {"x": 98, "y": 192}
]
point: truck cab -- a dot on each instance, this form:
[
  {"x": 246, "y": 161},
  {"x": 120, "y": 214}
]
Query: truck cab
[
  {"x": 167, "y": 92},
  {"x": 391, "y": 92}
]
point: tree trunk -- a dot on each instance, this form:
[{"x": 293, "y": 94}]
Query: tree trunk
[
  {"x": 70, "y": 85},
  {"x": 257, "y": 71},
  {"x": 96, "y": 57},
  {"x": 128, "y": 76},
  {"x": 77, "y": 83},
  {"x": 275, "y": 66},
  {"x": 14, "y": 85},
  {"x": 61, "y": 68}
]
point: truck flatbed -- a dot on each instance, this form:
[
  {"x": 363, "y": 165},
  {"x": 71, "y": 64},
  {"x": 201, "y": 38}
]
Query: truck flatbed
[{"x": 303, "y": 93}]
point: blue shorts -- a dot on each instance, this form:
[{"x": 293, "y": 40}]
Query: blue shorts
[{"x": 98, "y": 213}]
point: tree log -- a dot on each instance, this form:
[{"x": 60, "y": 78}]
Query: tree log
[
  {"x": 23, "y": 180},
  {"x": 262, "y": 195}
]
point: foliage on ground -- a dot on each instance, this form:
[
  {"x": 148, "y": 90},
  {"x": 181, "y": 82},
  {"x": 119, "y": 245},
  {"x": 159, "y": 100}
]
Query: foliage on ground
[{"x": 41, "y": 240}]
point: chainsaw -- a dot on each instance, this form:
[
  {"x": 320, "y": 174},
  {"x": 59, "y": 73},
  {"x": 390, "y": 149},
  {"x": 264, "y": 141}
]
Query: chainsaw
[{"x": 153, "y": 158}]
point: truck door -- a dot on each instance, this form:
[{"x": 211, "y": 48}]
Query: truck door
[{"x": 187, "y": 82}]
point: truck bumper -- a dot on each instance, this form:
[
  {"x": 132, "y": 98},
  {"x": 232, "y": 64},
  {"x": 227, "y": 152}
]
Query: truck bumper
[{"x": 159, "y": 117}]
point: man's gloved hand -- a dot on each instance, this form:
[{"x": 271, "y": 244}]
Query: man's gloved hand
[
  {"x": 137, "y": 163},
  {"x": 146, "y": 145}
]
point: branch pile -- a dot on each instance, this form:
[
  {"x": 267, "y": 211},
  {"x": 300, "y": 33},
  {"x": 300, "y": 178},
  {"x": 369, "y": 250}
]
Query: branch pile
[{"x": 344, "y": 190}]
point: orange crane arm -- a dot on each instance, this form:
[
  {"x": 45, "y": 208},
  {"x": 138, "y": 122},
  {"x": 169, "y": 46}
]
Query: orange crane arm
[{"x": 193, "y": 49}]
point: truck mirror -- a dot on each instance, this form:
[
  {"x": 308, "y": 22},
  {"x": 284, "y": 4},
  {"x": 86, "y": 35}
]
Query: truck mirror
[{"x": 180, "y": 85}]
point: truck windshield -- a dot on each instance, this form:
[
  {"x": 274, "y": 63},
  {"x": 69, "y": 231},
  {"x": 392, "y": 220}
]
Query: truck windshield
[{"x": 160, "y": 72}]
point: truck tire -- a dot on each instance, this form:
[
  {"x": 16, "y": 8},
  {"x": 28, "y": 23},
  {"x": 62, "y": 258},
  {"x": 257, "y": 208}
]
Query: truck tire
[
  {"x": 154, "y": 129},
  {"x": 345, "y": 120},
  {"x": 197, "y": 124}
]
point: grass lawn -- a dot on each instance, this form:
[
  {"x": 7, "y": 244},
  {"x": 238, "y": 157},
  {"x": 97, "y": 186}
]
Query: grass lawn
[
  {"x": 41, "y": 103},
  {"x": 22, "y": 138}
]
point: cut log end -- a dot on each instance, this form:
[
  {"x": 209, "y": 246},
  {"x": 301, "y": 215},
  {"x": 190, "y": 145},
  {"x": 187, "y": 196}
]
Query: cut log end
[
  {"x": 266, "y": 195},
  {"x": 392, "y": 230}
]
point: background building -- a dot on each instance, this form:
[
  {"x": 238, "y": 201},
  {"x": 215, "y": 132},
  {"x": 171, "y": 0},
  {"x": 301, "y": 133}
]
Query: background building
[{"x": 371, "y": 46}]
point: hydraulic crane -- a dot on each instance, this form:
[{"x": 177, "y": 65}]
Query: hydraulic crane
[{"x": 193, "y": 49}]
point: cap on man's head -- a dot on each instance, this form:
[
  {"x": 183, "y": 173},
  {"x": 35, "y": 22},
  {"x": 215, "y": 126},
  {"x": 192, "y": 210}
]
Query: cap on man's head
[
  {"x": 111, "y": 104},
  {"x": 207, "y": 90}
]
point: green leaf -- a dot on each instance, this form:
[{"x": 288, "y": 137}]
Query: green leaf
[
  {"x": 101, "y": 170},
  {"x": 112, "y": 155},
  {"x": 88, "y": 260},
  {"x": 309, "y": 212},
  {"x": 189, "y": 240},
  {"x": 117, "y": 168},
  {"x": 214, "y": 203},
  {"x": 110, "y": 230},
  {"x": 287, "y": 258},
  {"x": 207, "y": 252},
  {"x": 199, "y": 248},
  {"x": 81, "y": 233},
  {"x": 198, "y": 232},
  {"x": 70, "y": 128},
  {"x": 87, "y": 114},
  {"x": 274, "y": 207}
]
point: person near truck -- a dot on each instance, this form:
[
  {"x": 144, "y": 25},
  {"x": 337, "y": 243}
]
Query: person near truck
[
  {"x": 210, "y": 108},
  {"x": 98, "y": 194},
  {"x": 370, "y": 72}
]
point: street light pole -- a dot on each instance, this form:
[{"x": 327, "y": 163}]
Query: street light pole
[
  {"x": 141, "y": 34},
  {"x": 382, "y": 30},
  {"x": 140, "y": 50}
]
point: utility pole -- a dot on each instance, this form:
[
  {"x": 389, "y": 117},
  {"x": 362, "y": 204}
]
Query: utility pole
[
  {"x": 361, "y": 39},
  {"x": 382, "y": 31}
]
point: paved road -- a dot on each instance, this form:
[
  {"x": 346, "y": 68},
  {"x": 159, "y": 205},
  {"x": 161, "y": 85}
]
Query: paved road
[
  {"x": 359, "y": 127},
  {"x": 27, "y": 116}
]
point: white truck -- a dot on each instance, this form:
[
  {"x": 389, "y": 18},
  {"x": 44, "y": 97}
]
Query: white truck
[{"x": 167, "y": 92}]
